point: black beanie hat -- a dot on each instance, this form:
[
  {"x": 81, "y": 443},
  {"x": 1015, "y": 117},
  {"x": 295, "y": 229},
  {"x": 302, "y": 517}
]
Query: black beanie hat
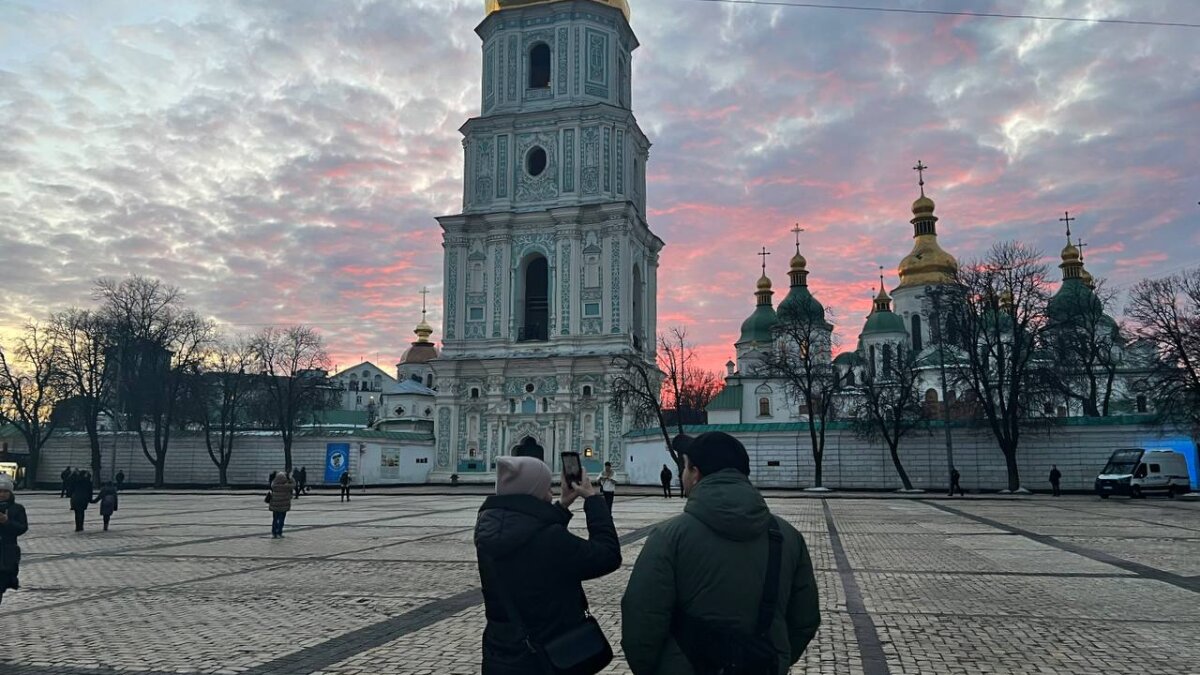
[{"x": 713, "y": 451}]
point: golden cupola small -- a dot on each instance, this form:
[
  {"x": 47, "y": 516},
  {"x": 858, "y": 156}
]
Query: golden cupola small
[{"x": 928, "y": 264}]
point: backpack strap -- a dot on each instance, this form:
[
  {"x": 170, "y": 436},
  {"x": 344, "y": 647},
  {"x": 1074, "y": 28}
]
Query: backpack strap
[{"x": 770, "y": 596}]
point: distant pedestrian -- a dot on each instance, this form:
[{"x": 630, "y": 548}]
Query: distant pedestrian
[
  {"x": 1056, "y": 480},
  {"x": 66, "y": 482},
  {"x": 665, "y": 477},
  {"x": 608, "y": 485},
  {"x": 296, "y": 482},
  {"x": 344, "y": 481},
  {"x": 120, "y": 480},
  {"x": 13, "y": 524},
  {"x": 108, "y": 503},
  {"x": 725, "y": 587},
  {"x": 81, "y": 497},
  {"x": 280, "y": 501},
  {"x": 955, "y": 486},
  {"x": 304, "y": 480}
]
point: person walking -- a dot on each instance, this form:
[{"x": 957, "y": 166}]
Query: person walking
[
  {"x": 280, "y": 501},
  {"x": 608, "y": 485},
  {"x": 81, "y": 497},
  {"x": 532, "y": 567},
  {"x": 120, "y": 477},
  {"x": 304, "y": 480},
  {"x": 13, "y": 524},
  {"x": 1056, "y": 480},
  {"x": 107, "y": 498},
  {"x": 66, "y": 483},
  {"x": 955, "y": 485},
  {"x": 296, "y": 482},
  {"x": 724, "y": 583},
  {"x": 344, "y": 481},
  {"x": 665, "y": 478}
]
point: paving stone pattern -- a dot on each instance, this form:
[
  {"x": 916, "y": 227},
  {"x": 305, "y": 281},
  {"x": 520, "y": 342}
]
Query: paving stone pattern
[{"x": 386, "y": 584}]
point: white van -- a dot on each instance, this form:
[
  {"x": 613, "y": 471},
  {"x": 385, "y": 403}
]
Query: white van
[{"x": 1137, "y": 473}]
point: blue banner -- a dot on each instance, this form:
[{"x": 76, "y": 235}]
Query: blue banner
[{"x": 337, "y": 461}]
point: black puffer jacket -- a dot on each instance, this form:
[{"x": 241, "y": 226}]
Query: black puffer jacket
[
  {"x": 10, "y": 553},
  {"x": 542, "y": 566}
]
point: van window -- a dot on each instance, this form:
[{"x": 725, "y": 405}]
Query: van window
[
  {"x": 1141, "y": 471},
  {"x": 1154, "y": 468}
]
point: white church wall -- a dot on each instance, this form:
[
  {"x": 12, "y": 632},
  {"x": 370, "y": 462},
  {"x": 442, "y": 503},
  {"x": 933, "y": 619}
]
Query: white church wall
[{"x": 644, "y": 459}]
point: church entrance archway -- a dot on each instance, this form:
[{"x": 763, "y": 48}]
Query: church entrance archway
[
  {"x": 529, "y": 448},
  {"x": 535, "y": 301}
]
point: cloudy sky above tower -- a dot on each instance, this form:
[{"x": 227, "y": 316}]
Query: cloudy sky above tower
[{"x": 283, "y": 162}]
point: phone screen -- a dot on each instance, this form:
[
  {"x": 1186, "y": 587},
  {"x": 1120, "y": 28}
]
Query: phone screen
[{"x": 572, "y": 469}]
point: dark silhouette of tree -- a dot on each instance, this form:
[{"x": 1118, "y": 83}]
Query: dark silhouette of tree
[
  {"x": 83, "y": 362},
  {"x": 687, "y": 389},
  {"x": 31, "y": 385},
  {"x": 224, "y": 386},
  {"x": 293, "y": 366},
  {"x": 888, "y": 404},
  {"x": 1166, "y": 314}
]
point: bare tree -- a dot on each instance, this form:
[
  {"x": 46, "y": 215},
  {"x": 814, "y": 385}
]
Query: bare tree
[
  {"x": 1166, "y": 314},
  {"x": 84, "y": 364},
  {"x": 636, "y": 392},
  {"x": 293, "y": 364},
  {"x": 801, "y": 358},
  {"x": 224, "y": 386},
  {"x": 30, "y": 388},
  {"x": 686, "y": 387},
  {"x": 888, "y": 405},
  {"x": 1000, "y": 322},
  {"x": 1083, "y": 348},
  {"x": 159, "y": 345}
]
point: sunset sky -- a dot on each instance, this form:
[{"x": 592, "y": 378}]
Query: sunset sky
[{"x": 283, "y": 162}]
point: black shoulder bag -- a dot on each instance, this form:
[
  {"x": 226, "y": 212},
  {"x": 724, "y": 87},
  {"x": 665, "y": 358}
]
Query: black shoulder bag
[
  {"x": 582, "y": 649},
  {"x": 720, "y": 648}
]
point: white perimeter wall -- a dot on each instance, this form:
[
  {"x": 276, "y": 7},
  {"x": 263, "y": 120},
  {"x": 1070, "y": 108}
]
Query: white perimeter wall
[{"x": 850, "y": 463}]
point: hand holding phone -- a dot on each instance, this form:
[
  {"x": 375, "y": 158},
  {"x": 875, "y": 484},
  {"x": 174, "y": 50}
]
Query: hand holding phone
[{"x": 572, "y": 468}]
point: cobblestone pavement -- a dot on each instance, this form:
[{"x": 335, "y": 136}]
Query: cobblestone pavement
[{"x": 193, "y": 583}]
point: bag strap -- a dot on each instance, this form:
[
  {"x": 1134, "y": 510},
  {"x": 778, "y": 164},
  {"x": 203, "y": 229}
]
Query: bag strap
[{"x": 770, "y": 596}]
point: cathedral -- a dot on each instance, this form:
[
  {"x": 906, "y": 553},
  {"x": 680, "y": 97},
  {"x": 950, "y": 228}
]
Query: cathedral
[{"x": 551, "y": 268}]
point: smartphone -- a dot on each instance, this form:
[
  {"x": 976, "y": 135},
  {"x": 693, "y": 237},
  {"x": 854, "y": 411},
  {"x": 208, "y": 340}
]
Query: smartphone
[{"x": 572, "y": 468}]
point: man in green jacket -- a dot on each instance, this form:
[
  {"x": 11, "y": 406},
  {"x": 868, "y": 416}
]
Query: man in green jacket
[{"x": 710, "y": 563}]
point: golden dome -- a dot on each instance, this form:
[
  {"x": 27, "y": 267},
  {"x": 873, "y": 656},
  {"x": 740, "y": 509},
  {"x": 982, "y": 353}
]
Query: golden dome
[
  {"x": 497, "y": 5},
  {"x": 423, "y": 331},
  {"x": 928, "y": 264},
  {"x": 764, "y": 284},
  {"x": 1070, "y": 253},
  {"x": 1088, "y": 279},
  {"x": 798, "y": 262},
  {"x": 923, "y": 206}
]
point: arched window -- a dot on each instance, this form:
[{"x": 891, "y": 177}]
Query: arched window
[
  {"x": 429, "y": 380},
  {"x": 917, "y": 338},
  {"x": 587, "y": 390},
  {"x": 474, "y": 392},
  {"x": 887, "y": 361},
  {"x": 545, "y": 405},
  {"x": 1142, "y": 405},
  {"x": 850, "y": 377},
  {"x": 871, "y": 365},
  {"x": 764, "y": 407},
  {"x": 539, "y": 66},
  {"x": 535, "y": 301},
  {"x": 931, "y": 396}
]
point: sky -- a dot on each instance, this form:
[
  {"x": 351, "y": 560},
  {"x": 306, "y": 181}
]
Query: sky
[{"x": 283, "y": 162}]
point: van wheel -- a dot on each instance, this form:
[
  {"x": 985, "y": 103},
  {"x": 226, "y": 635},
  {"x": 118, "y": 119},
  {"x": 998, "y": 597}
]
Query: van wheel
[
  {"x": 1136, "y": 492},
  {"x": 1171, "y": 492}
]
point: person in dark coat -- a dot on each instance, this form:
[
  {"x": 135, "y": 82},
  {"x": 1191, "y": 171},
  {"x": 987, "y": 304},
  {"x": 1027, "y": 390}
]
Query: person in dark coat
[
  {"x": 344, "y": 481},
  {"x": 81, "y": 497},
  {"x": 108, "y": 503},
  {"x": 66, "y": 482},
  {"x": 296, "y": 481},
  {"x": 1056, "y": 480},
  {"x": 524, "y": 548},
  {"x": 709, "y": 566},
  {"x": 13, "y": 524},
  {"x": 304, "y": 480},
  {"x": 955, "y": 486},
  {"x": 280, "y": 502},
  {"x": 120, "y": 477},
  {"x": 665, "y": 478}
]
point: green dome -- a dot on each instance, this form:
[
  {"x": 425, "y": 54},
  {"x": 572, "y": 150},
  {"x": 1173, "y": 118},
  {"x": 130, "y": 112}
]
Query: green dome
[
  {"x": 884, "y": 322},
  {"x": 1074, "y": 303},
  {"x": 800, "y": 304},
  {"x": 757, "y": 328}
]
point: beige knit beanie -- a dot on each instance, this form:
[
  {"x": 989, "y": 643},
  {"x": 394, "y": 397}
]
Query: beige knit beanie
[{"x": 522, "y": 476}]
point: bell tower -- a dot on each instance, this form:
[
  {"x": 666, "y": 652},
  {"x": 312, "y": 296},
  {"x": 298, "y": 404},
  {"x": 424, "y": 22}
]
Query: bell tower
[{"x": 551, "y": 268}]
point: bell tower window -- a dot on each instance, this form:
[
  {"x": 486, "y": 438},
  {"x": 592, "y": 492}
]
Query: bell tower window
[{"x": 539, "y": 66}]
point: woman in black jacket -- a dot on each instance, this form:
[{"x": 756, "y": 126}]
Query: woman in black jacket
[
  {"x": 13, "y": 524},
  {"x": 524, "y": 547}
]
